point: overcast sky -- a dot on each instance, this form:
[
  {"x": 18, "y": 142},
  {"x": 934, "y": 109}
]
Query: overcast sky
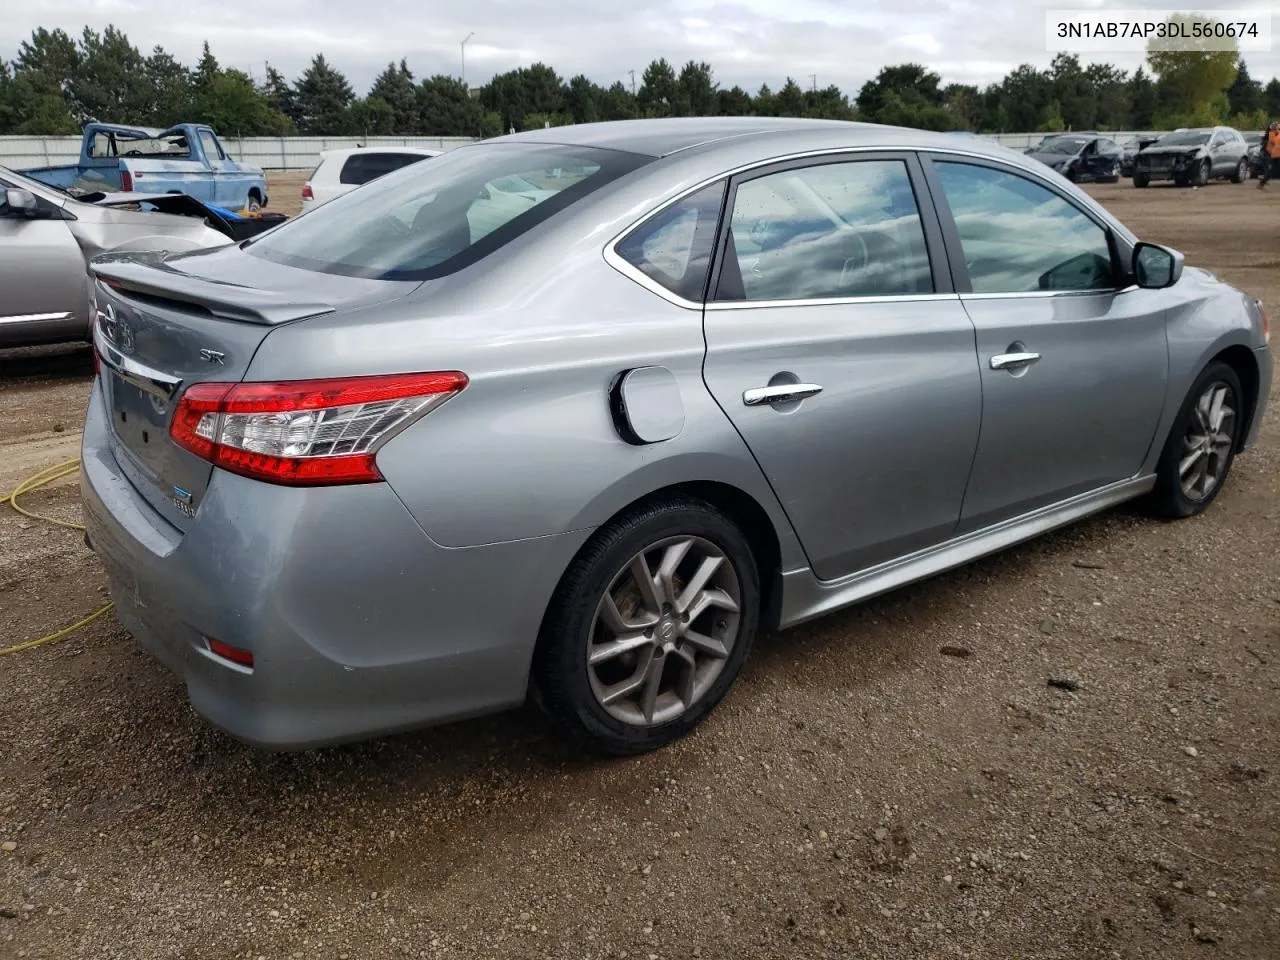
[{"x": 747, "y": 42}]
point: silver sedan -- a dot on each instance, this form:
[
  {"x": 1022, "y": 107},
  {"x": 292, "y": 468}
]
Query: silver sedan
[
  {"x": 419, "y": 453},
  {"x": 46, "y": 239}
]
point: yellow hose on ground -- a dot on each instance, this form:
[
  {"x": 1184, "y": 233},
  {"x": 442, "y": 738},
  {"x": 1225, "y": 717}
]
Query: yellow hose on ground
[{"x": 46, "y": 476}]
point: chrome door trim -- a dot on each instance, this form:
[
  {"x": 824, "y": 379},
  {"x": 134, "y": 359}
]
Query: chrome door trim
[
  {"x": 37, "y": 317},
  {"x": 805, "y": 597},
  {"x": 614, "y": 260},
  {"x": 719, "y": 305},
  {"x": 1041, "y": 294},
  {"x": 145, "y": 378}
]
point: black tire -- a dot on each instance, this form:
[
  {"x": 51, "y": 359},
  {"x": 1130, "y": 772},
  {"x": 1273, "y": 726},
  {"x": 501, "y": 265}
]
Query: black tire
[
  {"x": 560, "y": 671},
  {"x": 1202, "y": 174},
  {"x": 1141, "y": 180},
  {"x": 1242, "y": 172},
  {"x": 1168, "y": 499}
]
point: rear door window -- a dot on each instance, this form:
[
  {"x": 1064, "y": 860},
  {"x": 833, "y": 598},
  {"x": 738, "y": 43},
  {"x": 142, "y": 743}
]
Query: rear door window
[
  {"x": 417, "y": 223},
  {"x": 360, "y": 168}
]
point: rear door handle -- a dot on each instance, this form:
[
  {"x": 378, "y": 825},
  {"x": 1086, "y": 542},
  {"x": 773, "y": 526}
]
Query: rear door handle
[
  {"x": 781, "y": 393},
  {"x": 1013, "y": 361}
]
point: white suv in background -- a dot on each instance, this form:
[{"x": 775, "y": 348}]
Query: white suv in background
[{"x": 341, "y": 171}]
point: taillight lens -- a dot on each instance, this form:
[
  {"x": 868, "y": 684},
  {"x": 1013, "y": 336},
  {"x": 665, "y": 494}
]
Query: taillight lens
[
  {"x": 1266, "y": 322},
  {"x": 305, "y": 432},
  {"x": 126, "y": 181},
  {"x": 307, "y": 192}
]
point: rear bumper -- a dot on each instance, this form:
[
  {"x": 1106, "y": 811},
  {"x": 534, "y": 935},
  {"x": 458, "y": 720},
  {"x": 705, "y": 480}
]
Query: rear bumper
[{"x": 360, "y": 625}]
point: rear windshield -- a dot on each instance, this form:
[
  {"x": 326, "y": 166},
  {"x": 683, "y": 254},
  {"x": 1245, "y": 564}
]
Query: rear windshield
[
  {"x": 1188, "y": 138},
  {"x": 428, "y": 220}
]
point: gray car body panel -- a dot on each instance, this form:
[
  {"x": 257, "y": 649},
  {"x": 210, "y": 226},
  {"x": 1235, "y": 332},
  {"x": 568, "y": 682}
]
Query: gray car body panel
[
  {"x": 378, "y": 607},
  {"x": 43, "y": 261}
]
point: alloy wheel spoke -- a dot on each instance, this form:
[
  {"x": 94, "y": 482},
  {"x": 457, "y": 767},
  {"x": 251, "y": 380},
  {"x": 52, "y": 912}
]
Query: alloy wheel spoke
[
  {"x": 627, "y": 687},
  {"x": 645, "y": 582},
  {"x": 698, "y": 582},
  {"x": 1201, "y": 482},
  {"x": 704, "y": 644},
  {"x": 1221, "y": 441},
  {"x": 603, "y": 652},
  {"x": 1216, "y": 408},
  {"x": 671, "y": 560},
  {"x": 619, "y": 625},
  {"x": 711, "y": 598},
  {"x": 1187, "y": 462},
  {"x": 652, "y": 683},
  {"x": 688, "y": 676}
]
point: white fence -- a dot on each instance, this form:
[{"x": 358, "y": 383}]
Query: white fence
[
  {"x": 270, "y": 153},
  {"x": 301, "y": 153}
]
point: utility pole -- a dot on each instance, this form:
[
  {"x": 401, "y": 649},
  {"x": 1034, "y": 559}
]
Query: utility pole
[
  {"x": 633, "y": 82},
  {"x": 464, "y": 60},
  {"x": 814, "y": 78}
]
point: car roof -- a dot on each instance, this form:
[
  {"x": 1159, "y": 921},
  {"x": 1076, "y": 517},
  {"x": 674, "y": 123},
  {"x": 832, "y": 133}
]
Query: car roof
[
  {"x": 661, "y": 138},
  {"x": 783, "y": 135},
  {"x": 397, "y": 148}
]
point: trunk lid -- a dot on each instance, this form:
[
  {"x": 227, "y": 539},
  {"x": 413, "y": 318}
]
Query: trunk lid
[{"x": 166, "y": 323}]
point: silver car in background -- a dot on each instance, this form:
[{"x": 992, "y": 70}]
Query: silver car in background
[
  {"x": 46, "y": 239},
  {"x": 402, "y": 460}
]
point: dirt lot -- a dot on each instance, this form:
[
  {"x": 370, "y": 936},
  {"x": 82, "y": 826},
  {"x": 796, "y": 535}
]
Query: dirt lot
[{"x": 860, "y": 793}]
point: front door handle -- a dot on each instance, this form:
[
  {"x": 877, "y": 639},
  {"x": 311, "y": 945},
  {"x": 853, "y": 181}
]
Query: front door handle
[
  {"x": 781, "y": 393},
  {"x": 1013, "y": 361}
]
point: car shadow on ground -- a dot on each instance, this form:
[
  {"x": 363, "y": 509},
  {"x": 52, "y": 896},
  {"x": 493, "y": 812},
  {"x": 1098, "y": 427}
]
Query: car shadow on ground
[
  {"x": 62, "y": 360},
  {"x": 520, "y": 749}
]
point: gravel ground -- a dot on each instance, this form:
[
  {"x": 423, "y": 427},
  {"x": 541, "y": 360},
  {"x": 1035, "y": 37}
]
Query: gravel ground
[{"x": 1069, "y": 750}]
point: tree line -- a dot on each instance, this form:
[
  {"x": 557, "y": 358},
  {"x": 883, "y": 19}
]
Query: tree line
[{"x": 56, "y": 83}]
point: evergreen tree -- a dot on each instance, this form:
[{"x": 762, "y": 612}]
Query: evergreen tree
[{"x": 321, "y": 96}]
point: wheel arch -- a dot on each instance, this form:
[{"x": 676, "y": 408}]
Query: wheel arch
[
  {"x": 742, "y": 509},
  {"x": 1242, "y": 360}
]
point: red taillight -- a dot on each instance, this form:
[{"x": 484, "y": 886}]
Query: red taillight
[
  {"x": 126, "y": 181},
  {"x": 1266, "y": 323},
  {"x": 227, "y": 652},
  {"x": 305, "y": 432},
  {"x": 307, "y": 193}
]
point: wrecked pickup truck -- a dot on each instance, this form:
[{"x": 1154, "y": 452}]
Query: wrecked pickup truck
[
  {"x": 187, "y": 159},
  {"x": 47, "y": 238}
]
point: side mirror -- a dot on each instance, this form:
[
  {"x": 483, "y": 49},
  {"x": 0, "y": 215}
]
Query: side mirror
[
  {"x": 20, "y": 203},
  {"x": 1156, "y": 267}
]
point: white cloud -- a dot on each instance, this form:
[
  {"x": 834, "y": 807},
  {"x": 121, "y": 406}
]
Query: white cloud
[{"x": 748, "y": 42}]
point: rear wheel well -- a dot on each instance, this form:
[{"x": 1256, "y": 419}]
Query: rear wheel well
[
  {"x": 748, "y": 516},
  {"x": 1241, "y": 360}
]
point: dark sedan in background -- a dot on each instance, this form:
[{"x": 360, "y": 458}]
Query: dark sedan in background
[
  {"x": 1194, "y": 157},
  {"x": 1081, "y": 157}
]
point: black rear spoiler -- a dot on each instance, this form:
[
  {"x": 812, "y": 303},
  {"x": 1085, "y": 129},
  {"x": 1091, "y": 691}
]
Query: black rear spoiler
[{"x": 149, "y": 274}]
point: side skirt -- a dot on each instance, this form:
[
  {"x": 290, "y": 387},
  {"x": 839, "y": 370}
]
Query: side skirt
[{"x": 805, "y": 597}]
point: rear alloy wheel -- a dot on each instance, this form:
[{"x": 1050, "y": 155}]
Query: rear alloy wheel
[
  {"x": 649, "y": 628},
  {"x": 1242, "y": 172},
  {"x": 1201, "y": 447}
]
